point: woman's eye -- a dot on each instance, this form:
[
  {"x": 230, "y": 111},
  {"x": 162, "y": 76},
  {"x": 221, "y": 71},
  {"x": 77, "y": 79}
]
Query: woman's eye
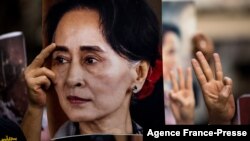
[
  {"x": 61, "y": 60},
  {"x": 90, "y": 60},
  {"x": 172, "y": 51}
]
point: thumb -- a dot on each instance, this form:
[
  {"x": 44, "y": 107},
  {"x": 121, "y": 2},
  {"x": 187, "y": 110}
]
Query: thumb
[
  {"x": 227, "y": 89},
  {"x": 227, "y": 81},
  {"x": 225, "y": 92},
  {"x": 176, "y": 97}
]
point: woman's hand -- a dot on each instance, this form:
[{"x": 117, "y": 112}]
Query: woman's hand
[
  {"x": 182, "y": 98},
  {"x": 216, "y": 88},
  {"x": 39, "y": 78}
]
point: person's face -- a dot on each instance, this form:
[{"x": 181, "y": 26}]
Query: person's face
[
  {"x": 169, "y": 46},
  {"x": 92, "y": 81}
]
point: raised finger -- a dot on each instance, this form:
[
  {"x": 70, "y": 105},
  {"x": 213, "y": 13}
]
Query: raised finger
[
  {"x": 218, "y": 67},
  {"x": 199, "y": 73},
  {"x": 189, "y": 83},
  {"x": 181, "y": 78},
  {"x": 40, "y": 58},
  {"x": 174, "y": 81},
  {"x": 205, "y": 66}
]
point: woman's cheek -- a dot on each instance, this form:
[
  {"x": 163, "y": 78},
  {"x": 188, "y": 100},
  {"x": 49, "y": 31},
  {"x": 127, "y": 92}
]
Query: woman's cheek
[
  {"x": 61, "y": 73},
  {"x": 99, "y": 69}
]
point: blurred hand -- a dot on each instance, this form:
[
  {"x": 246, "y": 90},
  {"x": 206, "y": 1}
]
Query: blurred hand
[
  {"x": 39, "y": 78},
  {"x": 216, "y": 88},
  {"x": 182, "y": 98}
]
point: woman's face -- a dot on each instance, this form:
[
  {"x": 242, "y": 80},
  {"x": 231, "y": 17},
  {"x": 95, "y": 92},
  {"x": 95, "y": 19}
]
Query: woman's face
[
  {"x": 92, "y": 81},
  {"x": 169, "y": 45}
]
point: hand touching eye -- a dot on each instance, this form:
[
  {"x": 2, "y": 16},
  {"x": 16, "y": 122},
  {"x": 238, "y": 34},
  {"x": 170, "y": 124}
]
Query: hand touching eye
[{"x": 38, "y": 78}]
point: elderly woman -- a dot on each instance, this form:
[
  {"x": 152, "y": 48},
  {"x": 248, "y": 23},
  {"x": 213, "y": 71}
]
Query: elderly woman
[{"x": 101, "y": 53}]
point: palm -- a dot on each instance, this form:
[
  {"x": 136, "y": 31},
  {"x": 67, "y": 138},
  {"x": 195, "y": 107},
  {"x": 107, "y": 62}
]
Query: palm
[
  {"x": 217, "y": 89},
  {"x": 211, "y": 90},
  {"x": 182, "y": 98},
  {"x": 182, "y": 111},
  {"x": 215, "y": 103}
]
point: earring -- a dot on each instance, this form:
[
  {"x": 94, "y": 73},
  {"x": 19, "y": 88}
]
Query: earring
[{"x": 134, "y": 89}]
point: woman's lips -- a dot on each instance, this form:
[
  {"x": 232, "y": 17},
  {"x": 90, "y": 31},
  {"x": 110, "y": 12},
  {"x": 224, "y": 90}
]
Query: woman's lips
[{"x": 77, "y": 100}]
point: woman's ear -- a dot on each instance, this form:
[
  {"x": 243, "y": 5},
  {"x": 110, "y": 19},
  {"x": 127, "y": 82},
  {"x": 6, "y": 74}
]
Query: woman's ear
[{"x": 141, "y": 74}]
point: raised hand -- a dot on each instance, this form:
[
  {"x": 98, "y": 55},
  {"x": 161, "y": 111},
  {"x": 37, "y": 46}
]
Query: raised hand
[
  {"x": 216, "y": 88},
  {"x": 182, "y": 98},
  {"x": 39, "y": 78}
]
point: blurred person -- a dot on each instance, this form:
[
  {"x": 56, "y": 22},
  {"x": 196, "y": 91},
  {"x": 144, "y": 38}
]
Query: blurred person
[
  {"x": 170, "y": 43},
  {"x": 202, "y": 43},
  {"x": 174, "y": 113}
]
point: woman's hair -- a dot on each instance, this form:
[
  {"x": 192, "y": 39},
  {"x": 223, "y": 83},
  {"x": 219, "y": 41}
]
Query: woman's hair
[
  {"x": 167, "y": 27},
  {"x": 129, "y": 26}
]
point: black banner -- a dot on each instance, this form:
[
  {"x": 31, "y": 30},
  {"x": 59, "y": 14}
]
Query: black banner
[{"x": 163, "y": 133}]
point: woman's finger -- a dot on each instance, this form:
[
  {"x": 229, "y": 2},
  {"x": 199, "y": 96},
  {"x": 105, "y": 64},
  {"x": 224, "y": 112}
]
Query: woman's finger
[
  {"x": 205, "y": 66},
  {"x": 176, "y": 97},
  {"x": 174, "y": 81},
  {"x": 40, "y": 58},
  {"x": 189, "y": 82},
  {"x": 225, "y": 93},
  {"x": 181, "y": 78},
  {"x": 42, "y": 82},
  {"x": 198, "y": 72},
  {"x": 218, "y": 67},
  {"x": 44, "y": 71}
]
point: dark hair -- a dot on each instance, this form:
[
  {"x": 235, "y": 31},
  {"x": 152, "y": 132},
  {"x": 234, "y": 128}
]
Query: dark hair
[
  {"x": 129, "y": 26},
  {"x": 171, "y": 28}
]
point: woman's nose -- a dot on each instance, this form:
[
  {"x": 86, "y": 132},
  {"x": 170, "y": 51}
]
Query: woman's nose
[{"x": 75, "y": 76}]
